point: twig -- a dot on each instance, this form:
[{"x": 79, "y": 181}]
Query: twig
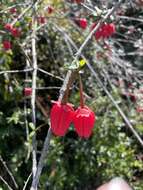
[
  {"x": 130, "y": 18},
  {"x": 50, "y": 74},
  {"x": 48, "y": 88},
  {"x": 2, "y": 179},
  {"x": 41, "y": 161},
  {"x": 28, "y": 61},
  {"x": 41, "y": 108},
  {"x": 16, "y": 71},
  {"x": 9, "y": 172},
  {"x": 27, "y": 181}
]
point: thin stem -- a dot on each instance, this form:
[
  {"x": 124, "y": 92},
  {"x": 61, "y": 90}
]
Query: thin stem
[
  {"x": 81, "y": 92},
  {"x": 16, "y": 71},
  {"x": 25, "y": 185}
]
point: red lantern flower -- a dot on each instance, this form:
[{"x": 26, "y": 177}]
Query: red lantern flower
[
  {"x": 139, "y": 109},
  {"x": 27, "y": 91},
  {"x": 84, "y": 119},
  {"x": 82, "y": 23},
  {"x": 108, "y": 30},
  {"x": 41, "y": 20},
  {"x": 50, "y": 9},
  {"x": 8, "y": 26},
  {"x": 105, "y": 30},
  {"x": 15, "y": 32},
  {"x": 6, "y": 45},
  {"x": 13, "y": 10},
  {"x": 61, "y": 117}
]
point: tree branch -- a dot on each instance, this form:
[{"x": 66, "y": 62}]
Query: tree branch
[
  {"x": 9, "y": 172},
  {"x": 5, "y": 182},
  {"x": 33, "y": 97}
]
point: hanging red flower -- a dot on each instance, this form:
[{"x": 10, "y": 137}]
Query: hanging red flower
[
  {"x": 105, "y": 30},
  {"x": 139, "y": 109},
  {"x": 61, "y": 117},
  {"x": 8, "y": 27},
  {"x": 82, "y": 23},
  {"x": 13, "y": 10},
  {"x": 7, "y": 45},
  {"x": 50, "y": 9},
  {"x": 41, "y": 20},
  {"x": 84, "y": 119},
  {"x": 15, "y": 32},
  {"x": 27, "y": 91}
]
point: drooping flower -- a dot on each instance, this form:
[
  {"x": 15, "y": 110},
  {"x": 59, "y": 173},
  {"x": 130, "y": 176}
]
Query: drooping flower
[
  {"x": 8, "y": 27},
  {"x": 61, "y": 117},
  {"x": 105, "y": 30},
  {"x": 84, "y": 119},
  {"x": 7, "y": 45},
  {"x": 13, "y": 10},
  {"x": 41, "y": 20},
  {"x": 50, "y": 9},
  {"x": 139, "y": 109},
  {"x": 82, "y": 23},
  {"x": 27, "y": 91},
  {"x": 15, "y": 32}
]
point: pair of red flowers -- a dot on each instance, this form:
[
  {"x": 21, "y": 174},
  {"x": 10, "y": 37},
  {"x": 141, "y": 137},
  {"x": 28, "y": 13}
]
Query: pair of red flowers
[
  {"x": 15, "y": 32},
  {"x": 105, "y": 30},
  {"x": 62, "y": 115}
]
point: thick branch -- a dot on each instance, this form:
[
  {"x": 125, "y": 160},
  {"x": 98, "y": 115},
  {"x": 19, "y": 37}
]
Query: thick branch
[{"x": 33, "y": 98}]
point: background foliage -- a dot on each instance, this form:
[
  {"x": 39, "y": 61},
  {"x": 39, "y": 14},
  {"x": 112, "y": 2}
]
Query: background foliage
[{"x": 112, "y": 150}]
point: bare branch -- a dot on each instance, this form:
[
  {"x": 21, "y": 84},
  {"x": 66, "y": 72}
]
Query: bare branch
[
  {"x": 16, "y": 71},
  {"x": 2, "y": 179},
  {"x": 25, "y": 185},
  {"x": 9, "y": 172},
  {"x": 33, "y": 97},
  {"x": 50, "y": 74}
]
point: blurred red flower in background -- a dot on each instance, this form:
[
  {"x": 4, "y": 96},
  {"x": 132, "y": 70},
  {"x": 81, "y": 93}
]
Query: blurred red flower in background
[
  {"x": 7, "y": 45},
  {"x": 105, "y": 30}
]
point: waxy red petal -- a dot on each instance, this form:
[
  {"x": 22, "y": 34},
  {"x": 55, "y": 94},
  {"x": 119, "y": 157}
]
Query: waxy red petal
[
  {"x": 105, "y": 30},
  {"x": 84, "y": 120},
  {"x": 61, "y": 117}
]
